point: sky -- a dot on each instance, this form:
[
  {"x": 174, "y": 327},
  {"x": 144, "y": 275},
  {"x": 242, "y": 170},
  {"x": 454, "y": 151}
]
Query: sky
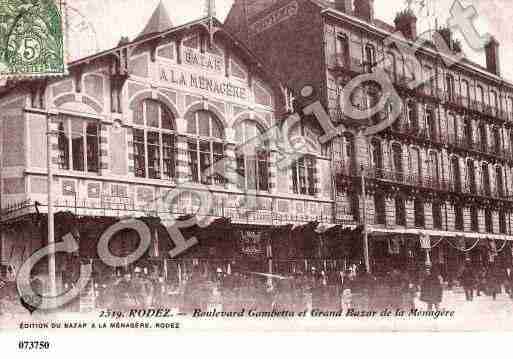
[{"x": 99, "y": 24}]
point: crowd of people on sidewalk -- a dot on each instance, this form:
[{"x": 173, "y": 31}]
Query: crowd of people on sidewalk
[{"x": 316, "y": 289}]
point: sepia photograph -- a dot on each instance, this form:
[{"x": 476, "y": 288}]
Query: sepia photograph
[{"x": 171, "y": 166}]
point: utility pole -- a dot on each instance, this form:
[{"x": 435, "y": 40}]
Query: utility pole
[
  {"x": 364, "y": 222},
  {"x": 51, "y": 231}
]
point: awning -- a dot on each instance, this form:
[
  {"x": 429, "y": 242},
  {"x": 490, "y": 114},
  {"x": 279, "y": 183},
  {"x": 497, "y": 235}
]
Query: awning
[{"x": 437, "y": 233}]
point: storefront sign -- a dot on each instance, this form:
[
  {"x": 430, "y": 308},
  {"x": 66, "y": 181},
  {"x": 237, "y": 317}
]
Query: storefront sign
[
  {"x": 194, "y": 81},
  {"x": 251, "y": 243},
  {"x": 274, "y": 18},
  {"x": 204, "y": 60}
]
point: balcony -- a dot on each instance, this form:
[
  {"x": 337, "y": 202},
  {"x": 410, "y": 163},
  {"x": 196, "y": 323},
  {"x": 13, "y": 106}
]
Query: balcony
[{"x": 408, "y": 130}]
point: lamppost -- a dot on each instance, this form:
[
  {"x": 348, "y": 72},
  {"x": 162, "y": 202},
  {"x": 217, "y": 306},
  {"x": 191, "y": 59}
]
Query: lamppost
[
  {"x": 52, "y": 276},
  {"x": 365, "y": 232}
]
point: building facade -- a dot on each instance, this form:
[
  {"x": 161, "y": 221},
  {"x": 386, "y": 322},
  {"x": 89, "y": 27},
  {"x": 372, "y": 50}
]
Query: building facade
[
  {"x": 130, "y": 125},
  {"x": 439, "y": 181}
]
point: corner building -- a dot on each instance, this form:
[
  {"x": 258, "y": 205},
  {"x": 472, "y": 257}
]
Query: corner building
[
  {"x": 129, "y": 125},
  {"x": 439, "y": 181}
]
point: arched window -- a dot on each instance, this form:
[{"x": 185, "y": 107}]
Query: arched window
[
  {"x": 154, "y": 141},
  {"x": 205, "y": 147},
  {"x": 485, "y": 179},
  {"x": 252, "y": 157}
]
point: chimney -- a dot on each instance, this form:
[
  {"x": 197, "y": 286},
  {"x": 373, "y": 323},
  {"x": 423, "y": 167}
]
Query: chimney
[
  {"x": 492, "y": 56},
  {"x": 344, "y": 6},
  {"x": 364, "y": 9},
  {"x": 406, "y": 23}
]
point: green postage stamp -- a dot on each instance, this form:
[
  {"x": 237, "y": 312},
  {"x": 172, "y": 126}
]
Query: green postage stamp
[{"x": 31, "y": 38}]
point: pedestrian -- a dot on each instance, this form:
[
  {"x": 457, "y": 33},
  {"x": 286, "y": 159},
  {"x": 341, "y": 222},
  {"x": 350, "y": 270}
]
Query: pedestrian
[
  {"x": 508, "y": 281},
  {"x": 431, "y": 291},
  {"x": 493, "y": 282},
  {"x": 481, "y": 282},
  {"x": 468, "y": 281}
]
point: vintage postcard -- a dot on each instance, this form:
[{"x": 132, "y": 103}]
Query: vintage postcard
[{"x": 255, "y": 165}]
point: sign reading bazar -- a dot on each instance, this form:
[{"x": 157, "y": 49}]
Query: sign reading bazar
[
  {"x": 205, "y": 60},
  {"x": 201, "y": 82}
]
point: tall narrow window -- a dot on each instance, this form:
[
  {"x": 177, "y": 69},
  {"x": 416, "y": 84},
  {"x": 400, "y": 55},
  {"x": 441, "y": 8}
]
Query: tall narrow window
[
  {"x": 483, "y": 137},
  {"x": 465, "y": 92},
  {"x": 503, "y": 222},
  {"x": 499, "y": 181},
  {"x": 497, "y": 139},
  {"x": 63, "y": 144},
  {"x": 343, "y": 57},
  {"x": 398, "y": 161},
  {"x": 485, "y": 179},
  {"x": 455, "y": 174},
  {"x": 370, "y": 58},
  {"x": 349, "y": 151},
  {"x": 252, "y": 157},
  {"x": 379, "y": 201},
  {"x": 391, "y": 66},
  {"x": 471, "y": 176},
  {"x": 488, "y": 221},
  {"x": 458, "y": 213},
  {"x": 78, "y": 144},
  {"x": 437, "y": 215},
  {"x": 467, "y": 131},
  {"x": 434, "y": 168},
  {"x": 154, "y": 141},
  {"x": 418, "y": 207},
  {"x": 429, "y": 80},
  {"x": 431, "y": 124},
  {"x": 474, "y": 219},
  {"x": 303, "y": 175},
  {"x": 205, "y": 147},
  {"x": 449, "y": 83},
  {"x": 377, "y": 157},
  {"x": 412, "y": 115},
  {"x": 415, "y": 165},
  {"x": 400, "y": 211}
]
